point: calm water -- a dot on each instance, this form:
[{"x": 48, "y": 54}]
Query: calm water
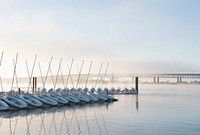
[{"x": 157, "y": 110}]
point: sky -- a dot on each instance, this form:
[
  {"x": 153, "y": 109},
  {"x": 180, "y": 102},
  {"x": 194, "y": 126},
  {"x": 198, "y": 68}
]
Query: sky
[{"x": 134, "y": 36}]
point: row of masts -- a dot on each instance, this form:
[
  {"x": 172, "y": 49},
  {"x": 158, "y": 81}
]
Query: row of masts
[
  {"x": 53, "y": 96},
  {"x": 54, "y": 80}
]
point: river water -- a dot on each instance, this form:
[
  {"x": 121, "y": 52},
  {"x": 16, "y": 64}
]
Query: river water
[{"x": 157, "y": 110}]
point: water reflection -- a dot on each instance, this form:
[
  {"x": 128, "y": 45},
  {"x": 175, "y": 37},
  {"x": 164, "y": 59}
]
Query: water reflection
[
  {"x": 97, "y": 123},
  {"x": 42, "y": 127},
  {"x": 137, "y": 102},
  {"x": 152, "y": 112},
  {"x": 104, "y": 122},
  {"x": 28, "y": 123},
  {"x": 75, "y": 119},
  {"x": 78, "y": 124},
  {"x": 13, "y": 127},
  {"x": 86, "y": 120},
  {"x": 1, "y": 121},
  {"x": 64, "y": 120},
  {"x": 53, "y": 128}
]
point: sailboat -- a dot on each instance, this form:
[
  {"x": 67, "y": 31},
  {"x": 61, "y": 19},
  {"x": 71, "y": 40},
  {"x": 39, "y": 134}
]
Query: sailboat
[
  {"x": 63, "y": 93},
  {"x": 15, "y": 102},
  {"x": 12, "y": 99},
  {"x": 92, "y": 92},
  {"x": 92, "y": 98},
  {"x": 56, "y": 97},
  {"x": 44, "y": 99},
  {"x": 3, "y": 105},
  {"x": 28, "y": 98},
  {"x": 76, "y": 94},
  {"x": 105, "y": 94},
  {"x": 42, "y": 95}
]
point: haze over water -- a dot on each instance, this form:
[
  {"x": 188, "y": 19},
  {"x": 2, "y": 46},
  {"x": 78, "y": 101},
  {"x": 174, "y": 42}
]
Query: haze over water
[
  {"x": 136, "y": 37},
  {"x": 149, "y": 36},
  {"x": 158, "y": 109}
]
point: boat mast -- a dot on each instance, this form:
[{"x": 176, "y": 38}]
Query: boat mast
[
  {"x": 79, "y": 74},
  {"x": 70, "y": 76},
  {"x": 104, "y": 75},
  {"x": 69, "y": 71},
  {"x": 58, "y": 72},
  {"x": 41, "y": 73},
  {"x": 88, "y": 74},
  {"x": 16, "y": 74},
  {"x": 27, "y": 70},
  {"x": 98, "y": 75},
  {"x": 15, "y": 63},
  {"x": 52, "y": 77},
  {"x": 54, "y": 83},
  {"x": 47, "y": 72},
  {"x": 30, "y": 75},
  {"x": 62, "y": 78},
  {"x": 0, "y": 75},
  {"x": 1, "y": 58}
]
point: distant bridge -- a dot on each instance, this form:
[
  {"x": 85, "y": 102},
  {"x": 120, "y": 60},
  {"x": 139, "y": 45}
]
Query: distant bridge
[
  {"x": 131, "y": 77},
  {"x": 122, "y": 77},
  {"x": 155, "y": 77},
  {"x": 179, "y": 77}
]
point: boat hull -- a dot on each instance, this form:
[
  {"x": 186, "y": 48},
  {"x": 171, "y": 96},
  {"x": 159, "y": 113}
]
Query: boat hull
[
  {"x": 15, "y": 102},
  {"x": 30, "y": 100},
  {"x": 3, "y": 105}
]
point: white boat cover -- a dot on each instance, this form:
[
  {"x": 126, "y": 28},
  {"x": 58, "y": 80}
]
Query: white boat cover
[
  {"x": 45, "y": 99},
  {"x": 57, "y": 98},
  {"x": 105, "y": 94},
  {"x": 80, "y": 97},
  {"x": 69, "y": 98},
  {"x": 13, "y": 101},
  {"x": 3, "y": 105},
  {"x": 92, "y": 98},
  {"x": 30, "y": 100},
  {"x": 91, "y": 92}
]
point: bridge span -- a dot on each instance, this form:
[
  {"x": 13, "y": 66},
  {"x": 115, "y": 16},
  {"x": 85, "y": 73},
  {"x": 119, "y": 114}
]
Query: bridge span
[
  {"x": 154, "y": 78},
  {"x": 131, "y": 77}
]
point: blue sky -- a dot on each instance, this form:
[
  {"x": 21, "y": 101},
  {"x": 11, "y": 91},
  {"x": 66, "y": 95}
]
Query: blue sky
[{"x": 135, "y": 36}]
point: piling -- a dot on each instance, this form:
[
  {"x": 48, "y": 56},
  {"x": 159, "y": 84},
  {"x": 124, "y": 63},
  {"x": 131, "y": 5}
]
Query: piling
[
  {"x": 179, "y": 79},
  {"x": 136, "y": 84},
  {"x": 34, "y": 84},
  {"x": 137, "y": 102},
  {"x": 19, "y": 91},
  {"x": 154, "y": 79},
  {"x": 158, "y": 80}
]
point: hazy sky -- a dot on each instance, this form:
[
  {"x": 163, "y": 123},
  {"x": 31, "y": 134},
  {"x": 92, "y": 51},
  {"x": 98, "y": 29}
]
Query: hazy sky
[{"x": 137, "y": 36}]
